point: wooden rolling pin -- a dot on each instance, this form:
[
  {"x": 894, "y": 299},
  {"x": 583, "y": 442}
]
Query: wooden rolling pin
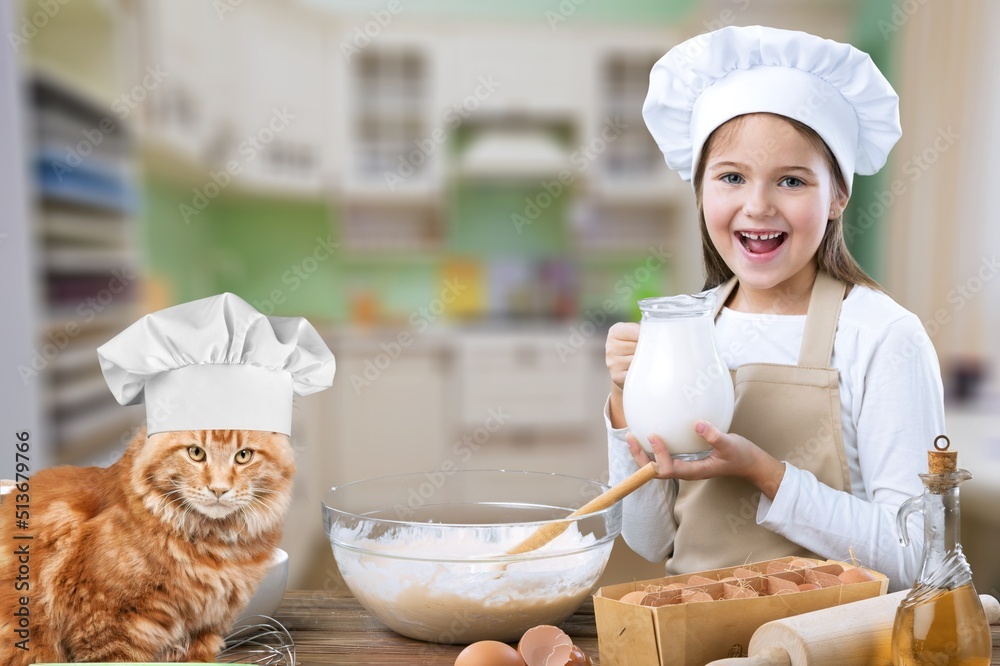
[
  {"x": 855, "y": 634},
  {"x": 547, "y": 533}
]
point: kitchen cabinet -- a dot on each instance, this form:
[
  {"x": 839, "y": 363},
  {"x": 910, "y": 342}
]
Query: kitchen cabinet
[
  {"x": 243, "y": 91},
  {"x": 387, "y": 118},
  {"x": 391, "y": 408},
  {"x": 275, "y": 118},
  {"x": 182, "y": 41}
]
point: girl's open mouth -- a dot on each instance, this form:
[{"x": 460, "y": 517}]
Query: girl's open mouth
[{"x": 761, "y": 242}]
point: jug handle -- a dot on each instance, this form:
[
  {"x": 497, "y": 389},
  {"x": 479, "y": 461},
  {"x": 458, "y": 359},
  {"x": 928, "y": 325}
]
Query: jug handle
[{"x": 907, "y": 507}]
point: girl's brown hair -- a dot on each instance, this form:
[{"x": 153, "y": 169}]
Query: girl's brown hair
[{"x": 832, "y": 255}]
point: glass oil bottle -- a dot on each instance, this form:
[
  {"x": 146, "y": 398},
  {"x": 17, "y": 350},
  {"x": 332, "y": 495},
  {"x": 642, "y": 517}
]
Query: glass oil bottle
[{"x": 941, "y": 621}]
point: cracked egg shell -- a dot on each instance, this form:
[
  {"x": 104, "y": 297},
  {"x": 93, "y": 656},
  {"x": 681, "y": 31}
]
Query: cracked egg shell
[
  {"x": 489, "y": 653},
  {"x": 538, "y": 643}
]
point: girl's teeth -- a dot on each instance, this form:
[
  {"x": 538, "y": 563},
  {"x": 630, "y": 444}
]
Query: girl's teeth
[{"x": 761, "y": 236}]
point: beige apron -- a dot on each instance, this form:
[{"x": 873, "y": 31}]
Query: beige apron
[{"x": 790, "y": 411}]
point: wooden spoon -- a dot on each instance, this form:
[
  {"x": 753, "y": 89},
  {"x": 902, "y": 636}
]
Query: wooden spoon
[{"x": 548, "y": 532}]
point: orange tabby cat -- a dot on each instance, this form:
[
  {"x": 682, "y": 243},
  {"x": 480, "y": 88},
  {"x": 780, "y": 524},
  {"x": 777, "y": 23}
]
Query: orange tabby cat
[{"x": 150, "y": 559}]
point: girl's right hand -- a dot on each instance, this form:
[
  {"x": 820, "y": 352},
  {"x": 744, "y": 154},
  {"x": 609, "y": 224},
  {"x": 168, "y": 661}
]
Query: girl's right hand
[
  {"x": 619, "y": 350},
  {"x": 618, "y": 353}
]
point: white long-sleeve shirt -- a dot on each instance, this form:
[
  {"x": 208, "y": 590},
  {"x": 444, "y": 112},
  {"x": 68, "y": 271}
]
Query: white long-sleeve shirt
[{"x": 891, "y": 410}]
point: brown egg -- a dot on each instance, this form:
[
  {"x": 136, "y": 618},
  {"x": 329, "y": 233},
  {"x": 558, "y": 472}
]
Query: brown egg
[
  {"x": 805, "y": 587},
  {"x": 633, "y": 597},
  {"x": 856, "y": 575},
  {"x": 489, "y": 653},
  {"x": 691, "y": 596},
  {"x": 737, "y": 592},
  {"x": 538, "y": 643},
  {"x": 777, "y": 567},
  {"x": 823, "y": 579}
]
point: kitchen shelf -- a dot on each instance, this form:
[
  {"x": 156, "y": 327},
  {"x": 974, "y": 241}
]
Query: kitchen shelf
[
  {"x": 378, "y": 227},
  {"x": 96, "y": 433},
  {"x": 70, "y": 395},
  {"x": 85, "y": 171},
  {"x": 617, "y": 228},
  {"x": 73, "y": 226}
]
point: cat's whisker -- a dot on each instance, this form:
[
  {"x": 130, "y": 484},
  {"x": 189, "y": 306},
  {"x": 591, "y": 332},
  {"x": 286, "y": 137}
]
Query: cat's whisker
[{"x": 269, "y": 507}]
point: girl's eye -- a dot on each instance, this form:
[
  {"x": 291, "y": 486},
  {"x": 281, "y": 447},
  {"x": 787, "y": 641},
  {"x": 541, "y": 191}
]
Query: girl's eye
[
  {"x": 732, "y": 179},
  {"x": 244, "y": 456},
  {"x": 196, "y": 453},
  {"x": 793, "y": 182}
]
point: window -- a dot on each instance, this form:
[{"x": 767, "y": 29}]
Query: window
[
  {"x": 391, "y": 97},
  {"x": 624, "y": 82}
]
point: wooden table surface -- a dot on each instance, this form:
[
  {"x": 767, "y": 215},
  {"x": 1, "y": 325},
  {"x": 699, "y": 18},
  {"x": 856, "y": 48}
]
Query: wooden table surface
[
  {"x": 335, "y": 629},
  {"x": 331, "y": 628}
]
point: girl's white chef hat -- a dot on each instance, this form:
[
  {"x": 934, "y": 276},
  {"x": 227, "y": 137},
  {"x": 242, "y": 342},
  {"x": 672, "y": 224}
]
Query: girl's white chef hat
[
  {"x": 216, "y": 364},
  {"x": 833, "y": 88}
]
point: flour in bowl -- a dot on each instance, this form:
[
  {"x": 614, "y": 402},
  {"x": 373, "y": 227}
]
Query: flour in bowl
[{"x": 451, "y": 585}]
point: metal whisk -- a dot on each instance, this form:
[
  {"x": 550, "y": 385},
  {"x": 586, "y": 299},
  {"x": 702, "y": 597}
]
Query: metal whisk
[{"x": 259, "y": 639}]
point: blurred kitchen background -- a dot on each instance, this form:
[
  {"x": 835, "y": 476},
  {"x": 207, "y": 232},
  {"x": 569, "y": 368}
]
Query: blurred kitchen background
[{"x": 461, "y": 196}]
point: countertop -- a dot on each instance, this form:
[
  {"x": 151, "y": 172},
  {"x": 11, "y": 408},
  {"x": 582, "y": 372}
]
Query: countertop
[{"x": 331, "y": 628}]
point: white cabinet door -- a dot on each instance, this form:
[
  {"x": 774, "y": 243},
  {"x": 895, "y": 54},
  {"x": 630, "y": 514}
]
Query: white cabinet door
[
  {"x": 276, "y": 103},
  {"x": 181, "y": 55},
  {"x": 241, "y": 91},
  {"x": 391, "y": 420}
]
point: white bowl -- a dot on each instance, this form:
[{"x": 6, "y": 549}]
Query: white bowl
[{"x": 267, "y": 598}]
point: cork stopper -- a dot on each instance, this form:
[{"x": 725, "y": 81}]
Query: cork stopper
[{"x": 941, "y": 460}]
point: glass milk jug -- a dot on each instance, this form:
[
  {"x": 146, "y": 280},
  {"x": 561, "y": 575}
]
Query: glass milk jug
[
  {"x": 941, "y": 621},
  {"x": 676, "y": 376}
]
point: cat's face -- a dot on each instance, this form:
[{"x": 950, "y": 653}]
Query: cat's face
[{"x": 238, "y": 478}]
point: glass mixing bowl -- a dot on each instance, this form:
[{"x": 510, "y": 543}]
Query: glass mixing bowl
[{"x": 426, "y": 553}]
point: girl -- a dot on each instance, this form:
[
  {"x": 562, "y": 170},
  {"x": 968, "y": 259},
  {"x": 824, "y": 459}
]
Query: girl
[{"x": 838, "y": 389}]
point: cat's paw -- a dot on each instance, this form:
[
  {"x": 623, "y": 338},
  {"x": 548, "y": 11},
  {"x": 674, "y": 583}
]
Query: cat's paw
[
  {"x": 173, "y": 653},
  {"x": 205, "y": 648}
]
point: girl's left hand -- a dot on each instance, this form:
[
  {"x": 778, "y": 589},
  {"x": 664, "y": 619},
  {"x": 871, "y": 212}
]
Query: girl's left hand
[{"x": 732, "y": 455}]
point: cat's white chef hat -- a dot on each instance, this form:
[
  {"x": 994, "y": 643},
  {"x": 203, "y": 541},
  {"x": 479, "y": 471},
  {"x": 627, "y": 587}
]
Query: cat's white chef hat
[
  {"x": 216, "y": 364},
  {"x": 833, "y": 88}
]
